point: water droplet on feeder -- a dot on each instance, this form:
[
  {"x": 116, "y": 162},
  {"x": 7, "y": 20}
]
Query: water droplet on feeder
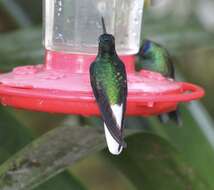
[
  {"x": 59, "y": 37},
  {"x": 134, "y": 34},
  {"x": 101, "y": 6},
  {"x": 150, "y": 104},
  {"x": 60, "y": 3},
  {"x": 41, "y": 102},
  {"x": 140, "y": 11},
  {"x": 136, "y": 20}
]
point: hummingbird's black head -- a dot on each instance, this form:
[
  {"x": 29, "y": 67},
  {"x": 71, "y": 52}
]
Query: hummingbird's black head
[{"x": 107, "y": 43}]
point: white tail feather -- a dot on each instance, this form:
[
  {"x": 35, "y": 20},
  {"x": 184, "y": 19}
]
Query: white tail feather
[{"x": 113, "y": 145}]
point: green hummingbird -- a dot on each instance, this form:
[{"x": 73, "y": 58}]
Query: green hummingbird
[
  {"x": 109, "y": 83},
  {"x": 154, "y": 57}
]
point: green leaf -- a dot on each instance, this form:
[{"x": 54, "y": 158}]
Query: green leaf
[
  {"x": 48, "y": 156},
  {"x": 151, "y": 164},
  {"x": 41, "y": 122},
  {"x": 14, "y": 136},
  {"x": 62, "y": 181},
  {"x": 148, "y": 161},
  {"x": 190, "y": 140}
]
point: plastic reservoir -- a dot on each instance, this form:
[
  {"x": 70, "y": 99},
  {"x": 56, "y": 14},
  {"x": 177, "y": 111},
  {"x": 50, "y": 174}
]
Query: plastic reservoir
[{"x": 73, "y": 26}]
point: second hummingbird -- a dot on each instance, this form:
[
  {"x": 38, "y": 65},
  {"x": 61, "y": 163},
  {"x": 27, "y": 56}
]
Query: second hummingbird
[
  {"x": 109, "y": 84},
  {"x": 154, "y": 57}
]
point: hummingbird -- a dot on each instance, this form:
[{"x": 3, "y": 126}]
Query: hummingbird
[
  {"x": 109, "y": 84},
  {"x": 154, "y": 57}
]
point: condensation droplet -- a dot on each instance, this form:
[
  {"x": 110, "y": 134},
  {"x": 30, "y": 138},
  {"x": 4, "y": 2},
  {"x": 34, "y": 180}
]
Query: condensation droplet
[
  {"x": 150, "y": 104},
  {"x": 59, "y": 36},
  {"x": 60, "y": 3},
  {"x": 134, "y": 34},
  {"x": 101, "y": 6}
]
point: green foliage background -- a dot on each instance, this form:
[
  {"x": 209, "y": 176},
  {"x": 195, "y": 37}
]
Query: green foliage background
[{"x": 47, "y": 151}]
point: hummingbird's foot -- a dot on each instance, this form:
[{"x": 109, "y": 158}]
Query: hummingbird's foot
[
  {"x": 163, "y": 118},
  {"x": 176, "y": 117}
]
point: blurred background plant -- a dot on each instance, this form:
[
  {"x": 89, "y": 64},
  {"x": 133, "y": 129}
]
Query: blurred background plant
[{"x": 160, "y": 157}]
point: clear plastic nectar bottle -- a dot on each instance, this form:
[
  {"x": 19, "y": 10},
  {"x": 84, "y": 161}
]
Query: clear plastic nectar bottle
[{"x": 73, "y": 26}]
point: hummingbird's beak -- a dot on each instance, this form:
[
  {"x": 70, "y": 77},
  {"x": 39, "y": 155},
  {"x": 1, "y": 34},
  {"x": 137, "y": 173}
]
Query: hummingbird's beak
[{"x": 103, "y": 24}]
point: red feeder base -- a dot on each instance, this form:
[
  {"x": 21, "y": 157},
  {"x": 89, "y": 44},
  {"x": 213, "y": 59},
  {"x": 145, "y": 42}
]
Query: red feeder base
[{"x": 62, "y": 85}]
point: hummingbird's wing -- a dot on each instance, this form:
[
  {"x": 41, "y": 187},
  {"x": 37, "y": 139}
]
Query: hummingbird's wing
[
  {"x": 105, "y": 109},
  {"x": 124, "y": 91}
]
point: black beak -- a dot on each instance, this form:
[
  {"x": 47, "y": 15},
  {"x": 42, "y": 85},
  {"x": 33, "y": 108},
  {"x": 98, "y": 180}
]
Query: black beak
[{"x": 104, "y": 26}]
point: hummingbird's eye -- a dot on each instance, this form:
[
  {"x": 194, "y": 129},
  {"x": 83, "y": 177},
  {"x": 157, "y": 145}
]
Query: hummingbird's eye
[{"x": 106, "y": 38}]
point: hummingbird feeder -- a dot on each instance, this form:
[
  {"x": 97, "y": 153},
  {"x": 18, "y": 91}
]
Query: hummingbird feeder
[{"x": 62, "y": 84}]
